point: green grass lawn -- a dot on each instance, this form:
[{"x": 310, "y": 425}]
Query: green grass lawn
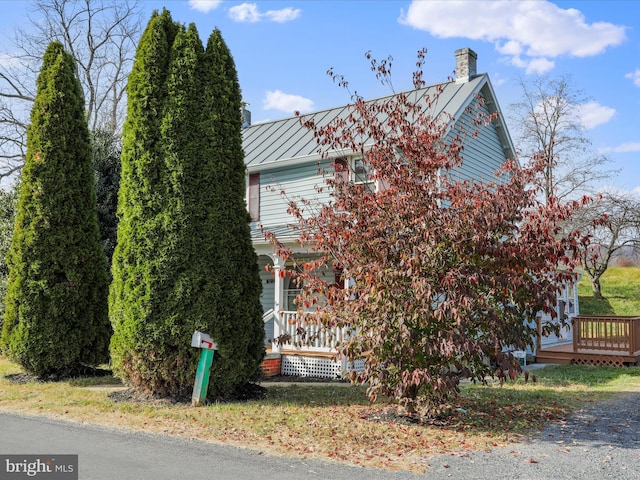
[{"x": 621, "y": 289}]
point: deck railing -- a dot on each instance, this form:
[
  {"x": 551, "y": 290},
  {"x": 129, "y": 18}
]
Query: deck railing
[
  {"x": 620, "y": 334},
  {"x": 296, "y": 333}
]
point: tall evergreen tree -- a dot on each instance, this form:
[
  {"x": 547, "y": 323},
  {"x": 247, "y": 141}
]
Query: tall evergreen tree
[
  {"x": 56, "y": 306},
  {"x": 237, "y": 323},
  {"x": 106, "y": 166},
  {"x": 171, "y": 269},
  {"x": 8, "y": 204},
  {"x": 136, "y": 298}
]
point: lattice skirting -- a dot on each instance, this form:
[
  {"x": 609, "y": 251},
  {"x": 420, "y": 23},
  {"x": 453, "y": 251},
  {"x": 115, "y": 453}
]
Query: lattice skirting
[
  {"x": 321, "y": 367},
  {"x": 602, "y": 360}
]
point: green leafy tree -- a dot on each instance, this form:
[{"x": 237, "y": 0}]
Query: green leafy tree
[
  {"x": 174, "y": 237},
  {"x": 56, "y": 317}
]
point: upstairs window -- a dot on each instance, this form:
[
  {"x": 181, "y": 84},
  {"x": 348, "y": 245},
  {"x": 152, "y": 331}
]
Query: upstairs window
[
  {"x": 361, "y": 175},
  {"x": 253, "y": 196}
]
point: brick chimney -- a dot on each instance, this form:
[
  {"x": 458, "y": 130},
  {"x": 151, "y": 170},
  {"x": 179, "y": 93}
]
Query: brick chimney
[
  {"x": 465, "y": 65},
  {"x": 246, "y": 115}
]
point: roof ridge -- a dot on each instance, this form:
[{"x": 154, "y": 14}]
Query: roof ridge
[{"x": 375, "y": 99}]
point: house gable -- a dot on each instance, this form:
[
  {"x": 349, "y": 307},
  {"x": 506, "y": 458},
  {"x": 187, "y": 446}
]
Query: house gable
[{"x": 287, "y": 157}]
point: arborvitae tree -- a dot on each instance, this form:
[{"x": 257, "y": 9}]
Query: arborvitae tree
[
  {"x": 56, "y": 306},
  {"x": 171, "y": 271},
  {"x": 135, "y": 298},
  {"x": 106, "y": 166},
  {"x": 8, "y": 204},
  {"x": 237, "y": 322}
]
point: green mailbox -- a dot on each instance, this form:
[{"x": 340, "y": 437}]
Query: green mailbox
[{"x": 208, "y": 347}]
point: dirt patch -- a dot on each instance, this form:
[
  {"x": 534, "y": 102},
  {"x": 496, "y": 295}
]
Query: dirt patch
[
  {"x": 82, "y": 371},
  {"x": 23, "y": 378},
  {"x": 391, "y": 416},
  {"x": 133, "y": 396}
]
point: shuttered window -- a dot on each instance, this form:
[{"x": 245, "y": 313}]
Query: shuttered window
[
  {"x": 254, "y": 196},
  {"x": 362, "y": 174},
  {"x": 342, "y": 169}
]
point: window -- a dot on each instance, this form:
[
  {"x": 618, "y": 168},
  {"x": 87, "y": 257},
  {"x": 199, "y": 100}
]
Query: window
[
  {"x": 362, "y": 175},
  {"x": 253, "y": 196},
  {"x": 356, "y": 170},
  {"x": 341, "y": 169}
]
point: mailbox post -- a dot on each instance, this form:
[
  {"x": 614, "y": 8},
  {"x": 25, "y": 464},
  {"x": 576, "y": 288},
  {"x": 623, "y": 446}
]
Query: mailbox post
[{"x": 208, "y": 347}]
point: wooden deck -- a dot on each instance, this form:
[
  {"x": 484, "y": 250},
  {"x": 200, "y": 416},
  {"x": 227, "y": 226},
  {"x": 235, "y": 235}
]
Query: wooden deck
[
  {"x": 564, "y": 354},
  {"x": 598, "y": 341}
]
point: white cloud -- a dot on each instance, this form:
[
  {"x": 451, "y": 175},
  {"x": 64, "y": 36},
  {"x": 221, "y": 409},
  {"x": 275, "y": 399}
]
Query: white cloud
[
  {"x": 285, "y": 102},
  {"x": 249, "y": 12},
  {"x": 204, "y": 6},
  {"x": 529, "y": 31},
  {"x": 283, "y": 15},
  {"x": 634, "y": 76},
  {"x": 535, "y": 65},
  {"x": 593, "y": 114},
  {"x": 539, "y": 65},
  {"x": 7, "y": 61},
  {"x": 511, "y": 48},
  {"x": 628, "y": 147},
  {"x": 614, "y": 190}
]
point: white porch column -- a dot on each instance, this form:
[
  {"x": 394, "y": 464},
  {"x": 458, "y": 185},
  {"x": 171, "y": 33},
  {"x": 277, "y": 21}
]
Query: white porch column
[{"x": 278, "y": 301}]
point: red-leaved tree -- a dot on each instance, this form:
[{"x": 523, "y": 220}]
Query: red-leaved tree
[{"x": 443, "y": 274}]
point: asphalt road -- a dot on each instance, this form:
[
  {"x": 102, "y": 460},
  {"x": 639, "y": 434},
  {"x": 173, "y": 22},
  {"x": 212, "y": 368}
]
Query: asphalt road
[
  {"x": 105, "y": 453},
  {"x": 599, "y": 441}
]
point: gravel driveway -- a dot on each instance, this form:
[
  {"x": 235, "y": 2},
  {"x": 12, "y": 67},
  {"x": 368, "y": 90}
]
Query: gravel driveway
[{"x": 600, "y": 441}]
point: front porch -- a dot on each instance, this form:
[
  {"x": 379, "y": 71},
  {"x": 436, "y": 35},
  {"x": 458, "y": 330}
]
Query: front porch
[
  {"x": 307, "y": 349},
  {"x": 304, "y": 349},
  {"x": 597, "y": 340}
]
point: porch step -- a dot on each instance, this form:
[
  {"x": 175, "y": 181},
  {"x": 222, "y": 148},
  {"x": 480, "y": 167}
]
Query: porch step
[
  {"x": 558, "y": 358},
  {"x": 310, "y": 353}
]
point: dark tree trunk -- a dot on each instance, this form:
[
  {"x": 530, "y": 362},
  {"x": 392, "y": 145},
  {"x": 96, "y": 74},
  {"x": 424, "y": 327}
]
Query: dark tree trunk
[{"x": 596, "y": 288}]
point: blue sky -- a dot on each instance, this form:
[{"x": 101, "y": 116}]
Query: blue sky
[{"x": 283, "y": 50}]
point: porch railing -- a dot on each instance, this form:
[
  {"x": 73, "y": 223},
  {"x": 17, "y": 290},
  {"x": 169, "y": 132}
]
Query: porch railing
[
  {"x": 621, "y": 334},
  {"x": 303, "y": 335}
]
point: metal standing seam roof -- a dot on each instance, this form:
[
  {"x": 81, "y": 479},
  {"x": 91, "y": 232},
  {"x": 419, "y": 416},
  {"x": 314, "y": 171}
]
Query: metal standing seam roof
[{"x": 269, "y": 143}]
